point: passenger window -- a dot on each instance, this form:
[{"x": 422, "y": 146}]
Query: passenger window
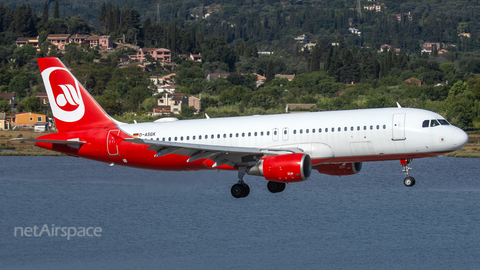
[
  {"x": 351, "y": 128},
  {"x": 294, "y": 131},
  {"x": 378, "y": 127},
  {"x": 358, "y": 127},
  {"x": 218, "y": 136},
  {"x": 255, "y": 134},
  {"x": 169, "y": 139},
  {"x": 275, "y": 132},
  {"x": 261, "y": 133},
  {"x": 181, "y": 138},
  {"x": 384, "y": 126},
  {"x": 158, "y": 139},
  {"x": 224, "y": 135},
  {"x": 193, "y": 138},
  {"x": 333, "y": 129},
  {"x": 163, "y": 139},
  {"x": 339, "y": 129},
  {"x": 345, "y": 129},
  {"x": 188, "y": 138},
  {"x": 231, "y": 135},
  {"x": 285, "y": 132},
  {"x": 313, "y": 130},
  {"x": 306, "y": 131},
  {"x": 243, "y": 134},
  {"x": 249, "y": 134},
  {"x": 236, "y": 135},
  {"x": 434, "y": 123},
  {"x": 301, "y": 131},
  {"x": 326, "y": 130},
  {"x": 320, "y": 130},
  {"x": 213, "y": 136},
  {"x": 268, "y": 133},
  {"x": 199, "y": 137},
  {"x": 175, "y": 138},
  {"x": 371, "y": 127},
  {"x": 426, "y": 123},
  {"x": 364, "y": 127}
]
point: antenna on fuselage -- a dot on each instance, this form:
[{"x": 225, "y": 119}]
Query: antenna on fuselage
[{"x": 398, "y": 105}]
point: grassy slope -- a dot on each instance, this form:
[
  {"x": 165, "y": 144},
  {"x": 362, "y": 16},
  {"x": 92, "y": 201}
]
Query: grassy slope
[
  {"x": 472, "y": 149},
  {"x": 21, "y": 148}
]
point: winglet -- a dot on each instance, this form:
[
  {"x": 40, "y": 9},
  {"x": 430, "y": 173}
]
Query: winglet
[
  {"x": 208, "y": 117},
  {"x": 398, "y": 105}
]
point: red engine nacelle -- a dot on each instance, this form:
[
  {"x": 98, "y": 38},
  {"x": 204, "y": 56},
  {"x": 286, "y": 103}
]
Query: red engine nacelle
[
  {"x": 284, "y": 168},
  {"x": 340, "y": 169}
]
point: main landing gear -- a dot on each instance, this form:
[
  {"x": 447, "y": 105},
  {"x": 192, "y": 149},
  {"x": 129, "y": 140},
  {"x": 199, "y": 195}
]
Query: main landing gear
[
  {"x": 275, "y": 187},
  {"x": 240, "y": 189},
  {"x": 409, "y": 181}
]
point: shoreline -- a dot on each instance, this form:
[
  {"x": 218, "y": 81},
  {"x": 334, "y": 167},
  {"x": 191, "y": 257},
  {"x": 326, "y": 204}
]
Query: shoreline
[{"x": 21, "y": 148}]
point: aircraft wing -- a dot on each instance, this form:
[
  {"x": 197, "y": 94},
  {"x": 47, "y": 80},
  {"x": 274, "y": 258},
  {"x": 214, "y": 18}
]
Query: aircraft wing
[{"x": 221, "y": 155}]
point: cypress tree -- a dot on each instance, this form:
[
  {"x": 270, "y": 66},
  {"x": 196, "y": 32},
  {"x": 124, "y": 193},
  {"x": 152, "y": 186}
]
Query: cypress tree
[
  {"x": 102, "y": 18},
  {"x": 55, "y": 10},
  {"x": 270, "y": 72},
  {"x": 45, "y": 13}
]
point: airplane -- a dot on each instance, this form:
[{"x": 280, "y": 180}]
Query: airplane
[{"x": 283, "y": 148}]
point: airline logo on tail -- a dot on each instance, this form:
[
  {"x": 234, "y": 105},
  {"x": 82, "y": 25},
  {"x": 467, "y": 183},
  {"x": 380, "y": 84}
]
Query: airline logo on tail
[{"x": 64, "y": 94}]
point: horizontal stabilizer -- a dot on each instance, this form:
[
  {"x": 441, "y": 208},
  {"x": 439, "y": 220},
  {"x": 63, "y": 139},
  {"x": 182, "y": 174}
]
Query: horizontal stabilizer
[{"x": 68, "y": 142}]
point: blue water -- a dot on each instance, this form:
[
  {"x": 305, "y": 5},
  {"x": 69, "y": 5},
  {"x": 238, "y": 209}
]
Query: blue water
[{"x": 189, "y": 220}]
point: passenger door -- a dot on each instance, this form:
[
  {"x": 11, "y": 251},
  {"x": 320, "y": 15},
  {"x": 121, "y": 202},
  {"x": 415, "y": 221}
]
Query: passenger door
[
  {"x": 112, "y": 142},
  {"x": 398, "y": 127}
]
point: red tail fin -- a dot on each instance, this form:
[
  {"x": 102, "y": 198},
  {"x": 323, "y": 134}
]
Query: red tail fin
[{"x": 72, "y": 106}]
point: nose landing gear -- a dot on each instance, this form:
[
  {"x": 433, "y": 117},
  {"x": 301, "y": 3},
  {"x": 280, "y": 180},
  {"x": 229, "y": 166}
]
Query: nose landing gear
[{"x": 409, "y": 181}]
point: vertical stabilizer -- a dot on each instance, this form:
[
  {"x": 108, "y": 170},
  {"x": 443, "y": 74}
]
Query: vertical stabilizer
[{"x": 72, "y": 106}]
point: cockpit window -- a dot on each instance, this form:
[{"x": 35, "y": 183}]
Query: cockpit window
[
  {"x": 434, "y": 123},
  {"x": 443, "y": 122},
  {"x": 426, "y": 123}
]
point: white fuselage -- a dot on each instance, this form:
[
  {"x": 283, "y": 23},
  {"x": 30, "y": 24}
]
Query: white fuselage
[{"x": 354, "y": 135}]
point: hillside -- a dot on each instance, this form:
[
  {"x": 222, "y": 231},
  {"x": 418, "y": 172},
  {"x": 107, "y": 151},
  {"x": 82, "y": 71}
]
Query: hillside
[{"x": 426, "y": 57}]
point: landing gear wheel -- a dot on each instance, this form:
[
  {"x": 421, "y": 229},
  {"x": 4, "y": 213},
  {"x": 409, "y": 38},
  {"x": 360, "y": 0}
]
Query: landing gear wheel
[
  {"x": 409, "y": 181},
  {"x": 246, "y": 191},
  {"x": 275, "y": 187},
  {"x": 240, "y": 190},
  {"x": 281, "y": 187},
  {"x": 237, "y": 191}
]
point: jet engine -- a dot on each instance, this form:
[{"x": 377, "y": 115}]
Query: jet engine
[
  {"x": 340, "y": 168},
  {"x": 284, "y": 168}
]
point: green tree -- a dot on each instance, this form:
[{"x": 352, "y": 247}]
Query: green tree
[
  {"x": 4, "y": 105},
  {"x": 270, "y": 74},
  {"x": 216, "y": 49},
  {"x": 110, "y": 102},
  {"x": 56, "y": 13},
  {"x": 187, "y": 111},
  {"x": 233, "y": 95},
  {"x": 149, "y": 103},
  {"x": 448, "y": 68},
  {"x": 19, "y": 85},
  {"x": 185, "y": 76},
  {"x": 33, "y": 104},
  {"x": 44, "y": 20}
]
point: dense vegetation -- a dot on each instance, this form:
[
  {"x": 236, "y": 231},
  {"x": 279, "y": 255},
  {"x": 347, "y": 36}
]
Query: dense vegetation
[{"x": 229, "y": 40}]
